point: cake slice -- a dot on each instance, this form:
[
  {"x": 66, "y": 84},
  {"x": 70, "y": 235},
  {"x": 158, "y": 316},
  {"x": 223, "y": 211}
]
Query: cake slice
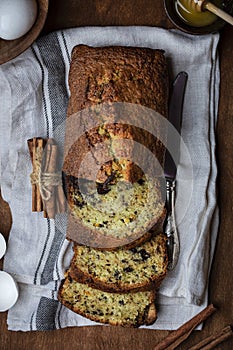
[
  {"x": 129, "y": 309},
  {"x": 120, "y": 218},
  {"x": 140, "y": 268}
]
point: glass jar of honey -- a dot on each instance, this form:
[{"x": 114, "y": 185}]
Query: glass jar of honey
[{"x": 187, "y": 11}]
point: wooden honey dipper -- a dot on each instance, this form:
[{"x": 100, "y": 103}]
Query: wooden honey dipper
[{"x": 202, "y": 5}]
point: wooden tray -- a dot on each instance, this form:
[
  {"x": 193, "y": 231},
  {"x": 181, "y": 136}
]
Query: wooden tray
[{"x": 12, "y": 48}]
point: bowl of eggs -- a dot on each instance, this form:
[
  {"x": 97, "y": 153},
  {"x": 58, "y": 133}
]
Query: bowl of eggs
[
  {"x": 194, "y": 17},
  {"x": 21, "y": 22}
]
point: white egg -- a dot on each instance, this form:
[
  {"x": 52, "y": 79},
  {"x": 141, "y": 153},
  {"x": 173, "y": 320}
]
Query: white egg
[
  {"x": 16, "y": 18},
  {"x": 2, "y": 244},
  {"x": 8, "y": 292}
]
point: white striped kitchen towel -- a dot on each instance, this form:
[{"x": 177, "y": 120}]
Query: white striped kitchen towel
[{"x": 34, "y": 94}]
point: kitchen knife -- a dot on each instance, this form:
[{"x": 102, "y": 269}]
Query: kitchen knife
[{"x": 170, "y": 166}]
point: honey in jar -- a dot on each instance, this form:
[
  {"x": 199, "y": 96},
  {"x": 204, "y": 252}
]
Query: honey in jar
[{"x": 186, "y": 10}]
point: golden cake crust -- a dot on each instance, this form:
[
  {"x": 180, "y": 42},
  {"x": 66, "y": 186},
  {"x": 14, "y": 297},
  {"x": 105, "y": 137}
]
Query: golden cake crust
[
  {"x": 118, "y": 74},
  {"x": 108, "y": 75}
]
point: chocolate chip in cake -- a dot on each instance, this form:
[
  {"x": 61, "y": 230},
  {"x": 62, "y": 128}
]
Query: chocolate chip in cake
[
  {"x": 128, "y": 269},
  {"x": 117, "y": 275},
  {"x": 103, "y": 188},
  {"x": 133, "y": 250},
  {"x": 140, "y": 182},
  {"x": 78, "y": 201},
  {"x": 144, "y": 254}
]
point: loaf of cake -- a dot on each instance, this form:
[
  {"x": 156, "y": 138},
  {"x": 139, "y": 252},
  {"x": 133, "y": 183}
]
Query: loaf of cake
[
  {"x": 113, "y": 187},
  {"x": 123, "y": 309},
  {"x": 113, "y": 177},
  {"x": 141, "y": 268}
]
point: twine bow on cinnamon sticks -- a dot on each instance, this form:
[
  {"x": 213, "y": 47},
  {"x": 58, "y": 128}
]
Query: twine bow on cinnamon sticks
[{"x": 47, "y": 190}]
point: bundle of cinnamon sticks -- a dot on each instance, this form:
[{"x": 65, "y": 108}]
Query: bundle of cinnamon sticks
[{"x": 47, "y": 189}]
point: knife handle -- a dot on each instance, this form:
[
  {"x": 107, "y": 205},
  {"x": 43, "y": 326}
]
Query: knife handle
[{"x": 173, "y": 246}]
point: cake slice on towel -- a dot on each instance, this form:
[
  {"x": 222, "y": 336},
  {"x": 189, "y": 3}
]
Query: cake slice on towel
[
  {"x": 123, "y": 309},
  {"x": 140, "y": 268}
]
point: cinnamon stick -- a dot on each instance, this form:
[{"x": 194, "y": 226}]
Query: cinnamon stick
[
  {"x": 49, "y": 166},
  {"x": 213, "y": 340},
  {"x": 36, "y": 146},
  {"x": 39, "y": 203},
  {"x": 56, "y": 203},
  {"x": 178, "y": 336}
]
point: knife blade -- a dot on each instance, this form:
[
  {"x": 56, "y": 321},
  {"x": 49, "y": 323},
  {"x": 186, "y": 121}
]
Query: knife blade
[{"x": 170, "y": 166}]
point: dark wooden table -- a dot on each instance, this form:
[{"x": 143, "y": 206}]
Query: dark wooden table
[{"x": 72, "y": 13}]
